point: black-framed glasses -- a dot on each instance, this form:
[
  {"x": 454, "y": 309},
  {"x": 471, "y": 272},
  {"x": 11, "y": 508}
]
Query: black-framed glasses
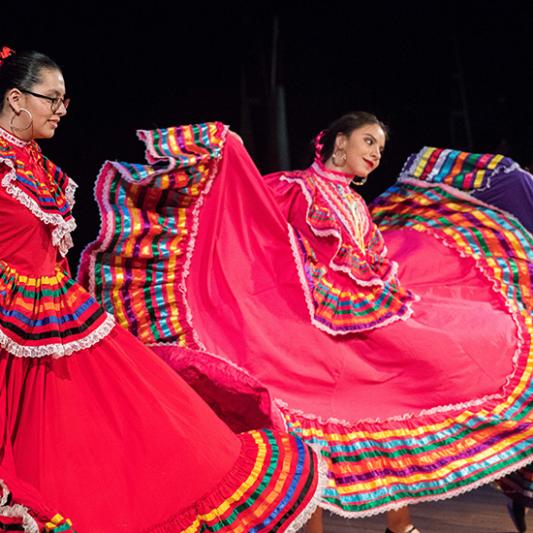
[{"x": 55, "y": 101}]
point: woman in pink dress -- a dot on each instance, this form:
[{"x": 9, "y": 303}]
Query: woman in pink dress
[
  {"x": 401, "y": 350},
  {"x": 92, "y": 420}
]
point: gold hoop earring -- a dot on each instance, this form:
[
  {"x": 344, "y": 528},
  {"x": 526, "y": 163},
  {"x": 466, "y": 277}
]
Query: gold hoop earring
[
  {"x": 359, "y": 181},
  {"x": 342, "y": 155},
  {"x": 15, "y": 128}
]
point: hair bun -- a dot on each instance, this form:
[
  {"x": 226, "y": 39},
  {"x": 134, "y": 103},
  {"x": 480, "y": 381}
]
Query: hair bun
[{"x": 5, "y": 52}]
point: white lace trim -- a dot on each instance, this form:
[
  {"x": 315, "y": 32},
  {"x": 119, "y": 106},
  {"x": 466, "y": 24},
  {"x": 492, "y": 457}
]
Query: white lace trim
[
  {"x": 311, "y": 304},
  {"x": 70, "y": 192},
  {"x": 88, "y": 255},
  {"x": 376, "y": 282},
  {"x": 431, "y": 498},
  {"x": 61, "y": 237},
  {"x": 12, "y": 139},
  {"x": 301, "y": 519},
  {"x": 107, "y": 224},
  {"x": 59, "y": 349},
  {"x": 16, "y": 510}
]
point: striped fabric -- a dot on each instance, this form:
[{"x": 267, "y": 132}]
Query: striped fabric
[
  {"x": 372, "y": 465},
  {"x": 426, "y": 458},
  {"x": 357, "y": 290},
  {"x": 463, "y": 170},
  {"x": 47, "y": 315},
  {"x": 152, "y": 232},
  {"x": 282, "y": 466},
  {"x": 50, "y": 200}
]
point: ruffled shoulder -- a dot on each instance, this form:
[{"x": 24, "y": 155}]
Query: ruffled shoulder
[
  {"x": 350, "y": 285},
  {"x": 40, "y": 186}
]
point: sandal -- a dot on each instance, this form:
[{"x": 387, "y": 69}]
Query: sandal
[{"x": 412, "y": 530}]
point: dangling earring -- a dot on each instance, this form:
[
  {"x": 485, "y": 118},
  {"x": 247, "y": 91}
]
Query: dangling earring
[
  {"x": 30, "y": 123},
  {"x": 359, "y": 181},
  {"x": 341, "y": 154}
]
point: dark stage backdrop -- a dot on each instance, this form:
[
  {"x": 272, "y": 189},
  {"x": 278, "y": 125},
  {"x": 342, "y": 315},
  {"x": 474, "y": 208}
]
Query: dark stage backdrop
[{"x": 444, "y": 74}]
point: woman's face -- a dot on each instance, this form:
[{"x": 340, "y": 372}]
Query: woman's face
[
  {"x": 46, "y": 113},
  {"x": 363, "y": 148}
]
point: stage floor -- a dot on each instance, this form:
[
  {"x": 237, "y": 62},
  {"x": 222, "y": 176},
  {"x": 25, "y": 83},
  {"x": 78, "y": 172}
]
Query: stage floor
[{"x": 481, "y": 511}]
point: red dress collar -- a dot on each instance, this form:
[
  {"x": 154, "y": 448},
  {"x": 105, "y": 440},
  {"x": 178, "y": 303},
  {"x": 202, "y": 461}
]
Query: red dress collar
[{"x": 332, "y": 175}]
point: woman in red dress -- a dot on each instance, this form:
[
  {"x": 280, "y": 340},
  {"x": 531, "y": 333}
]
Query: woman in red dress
[{"x": 93, "y": 420}]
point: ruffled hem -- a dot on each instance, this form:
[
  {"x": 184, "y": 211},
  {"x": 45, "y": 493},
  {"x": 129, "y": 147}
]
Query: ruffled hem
[
  {"x": 374, "y": 470},
  {"x": 184, "y": 155},
  {"x": 58, "y": 349},
  {"x": 319, "y": 322},
  {"x": 48, "y": 315},
  {"x": 275, "y": 485}
]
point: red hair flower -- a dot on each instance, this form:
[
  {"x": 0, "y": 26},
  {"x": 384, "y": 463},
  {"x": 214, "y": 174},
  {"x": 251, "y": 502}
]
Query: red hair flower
[{"x": 5, "y": 52}]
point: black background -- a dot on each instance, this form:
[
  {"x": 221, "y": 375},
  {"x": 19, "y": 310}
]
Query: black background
[{"x": 156, "y": 64}]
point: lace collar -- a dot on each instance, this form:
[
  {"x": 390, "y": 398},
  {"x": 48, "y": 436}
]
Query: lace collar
[
  {"x": 13, "y": 139},
  {"x": 331, "y": 175}
]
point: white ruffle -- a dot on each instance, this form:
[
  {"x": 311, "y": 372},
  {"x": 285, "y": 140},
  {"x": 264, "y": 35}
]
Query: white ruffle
[
  {"x": 58, "y": 349},
  {"x": 61, "y": 237},
  {"x": 16, "y": 510}
]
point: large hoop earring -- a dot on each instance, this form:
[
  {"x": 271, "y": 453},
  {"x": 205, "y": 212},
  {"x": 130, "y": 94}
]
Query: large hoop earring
[
  {"x": 15, "y": 128},
  {"x": 359, "y": 181},
  {"x": 341, "y": 154}
]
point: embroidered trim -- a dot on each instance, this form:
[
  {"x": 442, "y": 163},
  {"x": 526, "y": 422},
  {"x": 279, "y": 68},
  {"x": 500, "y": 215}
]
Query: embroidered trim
[
  {"x": 12, "y": 139},
  {"x": 309, "y": 300},
  {"x": 378, "y": 282},
  {"x": 58, "y": 350},
  {"x": 61, "y": 237}
]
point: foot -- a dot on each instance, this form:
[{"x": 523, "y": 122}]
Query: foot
[
  {"x": 410, "y": 529},
  {"x": 517, "y": 512}
]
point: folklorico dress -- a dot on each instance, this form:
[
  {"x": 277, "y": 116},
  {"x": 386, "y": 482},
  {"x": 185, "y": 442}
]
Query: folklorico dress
[
  {"x": 403, "y": 352},
  {"x": 96, "y": 423}
]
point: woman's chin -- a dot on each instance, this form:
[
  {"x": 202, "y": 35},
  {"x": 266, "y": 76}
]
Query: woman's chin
[{"x": 45, "y": 134}]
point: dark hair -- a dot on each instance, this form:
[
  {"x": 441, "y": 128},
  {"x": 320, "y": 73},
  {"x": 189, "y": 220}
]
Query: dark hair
[
  {"x": 345, "y": 125},
  {"x": 23, "y": 70}
]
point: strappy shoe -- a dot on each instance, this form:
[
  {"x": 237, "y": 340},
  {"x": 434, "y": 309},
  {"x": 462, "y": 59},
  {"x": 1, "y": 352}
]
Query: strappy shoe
[
  {"x": 412, "y": 530},
  {"x": 517, "y": 512}
]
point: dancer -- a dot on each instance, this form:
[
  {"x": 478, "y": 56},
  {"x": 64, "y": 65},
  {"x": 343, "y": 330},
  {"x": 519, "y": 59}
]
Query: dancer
[
  {"x": 403, "y": 353},
  {"x": 93, "y": 420}
]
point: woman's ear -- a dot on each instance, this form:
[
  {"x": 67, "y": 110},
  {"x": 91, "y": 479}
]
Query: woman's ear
[
  {"x": 340, "y": 141},
  {"x": 14, "y": 98}
]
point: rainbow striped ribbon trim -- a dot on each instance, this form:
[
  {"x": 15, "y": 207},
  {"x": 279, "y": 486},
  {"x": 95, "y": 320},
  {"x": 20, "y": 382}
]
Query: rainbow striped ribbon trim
[{"x": 462, "y": 170}]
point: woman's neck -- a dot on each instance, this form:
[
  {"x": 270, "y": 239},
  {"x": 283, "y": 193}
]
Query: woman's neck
[{"x": 6, "y": 123}]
